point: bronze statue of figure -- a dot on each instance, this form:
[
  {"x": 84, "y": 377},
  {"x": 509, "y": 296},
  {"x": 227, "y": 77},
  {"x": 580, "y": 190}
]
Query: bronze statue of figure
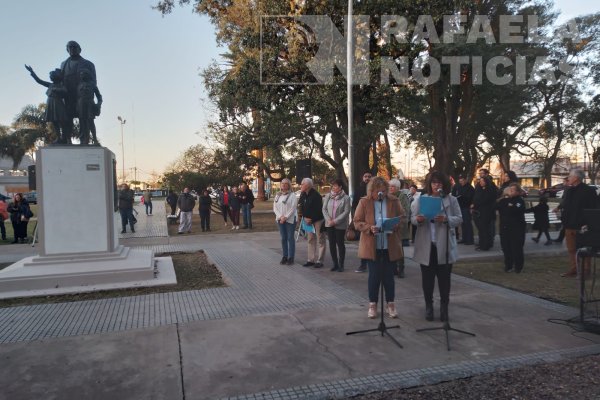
[
  {"x": 76, "y": 87},
  {"x": 56, "y": 112}
]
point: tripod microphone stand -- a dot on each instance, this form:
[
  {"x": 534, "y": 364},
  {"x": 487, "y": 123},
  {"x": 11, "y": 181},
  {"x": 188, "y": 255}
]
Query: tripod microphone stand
[
  {"x": 446, "y": 327},
  {"x": 381, "y": 327}
]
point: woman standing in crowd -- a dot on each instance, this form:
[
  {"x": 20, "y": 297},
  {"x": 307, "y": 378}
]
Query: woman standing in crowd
[
  {"x": 484, "y": 201},
  {"x": 511, "y": 208},
  {"x": 413, "y": 193},
  {"x": 224, "y": 202},
  {"x": 380, "y": 249},
  {"x": 19, "y": 217},
  {"x": 285, "y": 207},
  {"x": 508, "y": 178},
  {"x": 336, "y": 209},
  {"x": 235, "y": 204},
  {"x": 435, "y": 243},
  {"x": 204, "y": 205},
  {"x": 395, "y": 190},
  {"x": 541, "y": 220}
]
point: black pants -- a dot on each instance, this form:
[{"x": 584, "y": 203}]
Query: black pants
[
  {"x": 512, "y": 240},
  {"x": 336, "y": 245},
  {"x": 173, "y": 208},
  {"x": 428, "y": 274},
  {"x": 484, "y": 223},
  {"x": 561, "y": 235},
  {"x": 225, "y": 212},
  {"x": 205, "y": 219},
  {"x": 545, "y": 232},
  {"x": 20, "y": 230}
]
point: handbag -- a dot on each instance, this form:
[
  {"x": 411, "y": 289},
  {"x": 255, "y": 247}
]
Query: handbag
[{"x": 351, "y": 233}]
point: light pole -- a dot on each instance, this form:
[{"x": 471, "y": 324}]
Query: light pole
[
  {"x": 122, "y": 122},
  {"x": 350, "y": 110}
]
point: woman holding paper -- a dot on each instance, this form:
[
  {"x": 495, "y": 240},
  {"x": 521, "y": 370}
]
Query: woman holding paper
[
  {"x": 435, "y": 242},
  {"x": 380, "y": 247}
]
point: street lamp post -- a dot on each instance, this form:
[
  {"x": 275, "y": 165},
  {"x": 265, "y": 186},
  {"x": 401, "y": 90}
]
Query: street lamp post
[{"x": 122, "y": 122}]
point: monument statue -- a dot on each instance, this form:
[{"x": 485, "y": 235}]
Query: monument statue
[{"x": 73, "y": 93}]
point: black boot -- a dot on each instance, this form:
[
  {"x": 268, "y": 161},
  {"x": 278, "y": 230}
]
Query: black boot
[
  {"x": 444, "y": 312},
  {"x": 335, "y": 267},
  {"x": 341, "y": 268},
  {"x": 429, "y": 311},
  {"x": 124, "y": 230},
  {"x": 401, "y": 271}
]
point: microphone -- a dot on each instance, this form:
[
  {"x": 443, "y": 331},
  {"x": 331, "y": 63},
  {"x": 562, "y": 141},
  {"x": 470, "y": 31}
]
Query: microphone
[
  {"x": 441, "y": 192},
  {"x": 380, "y": 196}
]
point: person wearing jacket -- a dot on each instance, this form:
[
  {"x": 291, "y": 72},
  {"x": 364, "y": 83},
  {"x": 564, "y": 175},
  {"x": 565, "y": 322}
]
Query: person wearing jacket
[
  {"x": 464, "y": 191},
  {"x": 511, "y": 209},
  {"x": 204, "y": 207},
  {"x": 484, "y": 212},
  {"x": 285, "y": 207},
  {"x": 3, "y": 217},
  {"x": 172, "y": 202},
  {"x": 336, "y": 210},
  {"x": 361, "y": 192},
  {"x": 126, "y": 208},
  {"x": 311, "y": 205},
  {"x": 186, "y": 204},
  {"x": 380, "y": 249},
  {"x": 435, "y": 243},
  {"x": 577, "y": 198},
  {"x": 235, "y": 204},
  {"x": 247, "y": 199},
  {"x": 541, "y": 220},
  {"x": 148, "y": 201},
  {"x": 395, "y": 190},
  {"x": 19, "y": 216},
  {"x": 224, "y": 202}
]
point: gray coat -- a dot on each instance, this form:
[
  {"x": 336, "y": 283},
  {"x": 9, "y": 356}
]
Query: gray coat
[
  {"x": 423, "y": 236},
  {"x": 341, "y": 212}
]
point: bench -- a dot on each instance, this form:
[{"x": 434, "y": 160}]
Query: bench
[
  {"x": 552, "y": 216},
  {"x": 172, "y": 219}
]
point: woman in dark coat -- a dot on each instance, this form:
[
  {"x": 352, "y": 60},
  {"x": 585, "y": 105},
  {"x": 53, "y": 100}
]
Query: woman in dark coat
[
  {"x": 19, "y": 217},
  {"x": 235, "y": 204},
  {"x": 511, "y": 208},
  {"x": 204, "y": 205},
  {"x": 541, "y": 220},
  {"x": 484, "y": 201}
]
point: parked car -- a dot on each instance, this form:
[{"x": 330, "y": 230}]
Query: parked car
[
  {"x": 552, "y": 191},
  {"x": 31, "y": 197},
  {"x": 561, "y": 193}
]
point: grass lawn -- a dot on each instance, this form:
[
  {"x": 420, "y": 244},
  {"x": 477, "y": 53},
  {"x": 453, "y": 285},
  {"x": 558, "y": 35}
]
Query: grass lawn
[
  {"x": 540, "y": 277},
  {"x": 30, "y": 227},
  {"x": 193, "y": 272}
]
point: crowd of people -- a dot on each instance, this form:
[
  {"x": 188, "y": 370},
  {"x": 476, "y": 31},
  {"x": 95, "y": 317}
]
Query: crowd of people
[{"x": 18, "y": 213}]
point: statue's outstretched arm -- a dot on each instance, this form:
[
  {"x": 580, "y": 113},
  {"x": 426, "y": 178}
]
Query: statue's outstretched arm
[{"x": 34, "y": 76}]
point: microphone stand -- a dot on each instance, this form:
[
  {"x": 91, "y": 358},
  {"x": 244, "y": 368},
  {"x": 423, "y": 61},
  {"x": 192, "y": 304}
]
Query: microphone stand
[
  {"x": 381, "y": 327},
  {"x": 446, "y": 327}
]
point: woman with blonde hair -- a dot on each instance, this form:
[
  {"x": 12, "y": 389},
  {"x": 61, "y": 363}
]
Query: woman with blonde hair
[
  {"x": 380, "y": 248},
  {"x": 285, "y": 207}
]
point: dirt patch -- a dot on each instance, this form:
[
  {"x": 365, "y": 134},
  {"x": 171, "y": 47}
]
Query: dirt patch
[
  {"x": 572, "y": 379},
  {"x": 193, "y": 271}
]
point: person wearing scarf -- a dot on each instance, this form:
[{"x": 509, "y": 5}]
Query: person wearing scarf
[
  {"x": 285, "y": 207},
  {"x": 336, "y": 209}
]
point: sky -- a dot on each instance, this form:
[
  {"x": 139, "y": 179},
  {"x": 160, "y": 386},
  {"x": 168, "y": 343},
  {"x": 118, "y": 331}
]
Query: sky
[{"x": 147, "y": 67}]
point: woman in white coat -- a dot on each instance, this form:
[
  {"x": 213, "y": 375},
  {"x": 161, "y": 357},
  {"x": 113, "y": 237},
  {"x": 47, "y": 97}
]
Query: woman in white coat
[{"x": 435, "y": 242}]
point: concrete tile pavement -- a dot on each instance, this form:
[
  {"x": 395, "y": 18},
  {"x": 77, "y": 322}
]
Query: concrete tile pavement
[{"x": 280, "y": 332}]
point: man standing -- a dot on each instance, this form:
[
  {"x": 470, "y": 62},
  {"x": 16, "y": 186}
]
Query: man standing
[
  {"x": 577, "y": 198},
  {"x": 247, "y": 200},
  {"x": 71, "y": 69},
  {"x": 311, "y": 204},
  {"x": 126, "y": 208},
  {"x": 485, "y": 173},
  {"x": 186, "y": 204},
  {"x": 361, "y": 191},
  {"x": 464, "y": 192},
  {"x": 172, "y": 201},
  {"x": 148, "y": 201}
]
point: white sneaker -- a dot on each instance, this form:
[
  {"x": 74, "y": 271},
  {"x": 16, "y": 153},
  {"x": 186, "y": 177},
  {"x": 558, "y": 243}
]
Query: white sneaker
[
  {"x": 225, "y": 223},
  {"x": 391, "y": 310},
  {"x": 372, "y": 313},
  {"x": 233, "y": 228},
  {"x": 237, "y": 227}
]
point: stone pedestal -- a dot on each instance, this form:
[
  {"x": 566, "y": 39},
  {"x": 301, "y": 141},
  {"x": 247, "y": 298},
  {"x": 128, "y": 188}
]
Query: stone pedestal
[{"x": 77, "y": 229}]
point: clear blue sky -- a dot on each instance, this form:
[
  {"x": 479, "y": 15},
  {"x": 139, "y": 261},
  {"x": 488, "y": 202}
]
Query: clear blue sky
[{"x": 147, "y": 68}]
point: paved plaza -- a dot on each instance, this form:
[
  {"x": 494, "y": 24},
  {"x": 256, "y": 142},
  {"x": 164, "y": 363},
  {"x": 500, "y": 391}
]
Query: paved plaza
[{"x": 275, "y": 332}]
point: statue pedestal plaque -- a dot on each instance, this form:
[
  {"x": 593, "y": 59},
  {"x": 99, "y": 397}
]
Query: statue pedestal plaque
[{"x": 77, "y": 227}]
